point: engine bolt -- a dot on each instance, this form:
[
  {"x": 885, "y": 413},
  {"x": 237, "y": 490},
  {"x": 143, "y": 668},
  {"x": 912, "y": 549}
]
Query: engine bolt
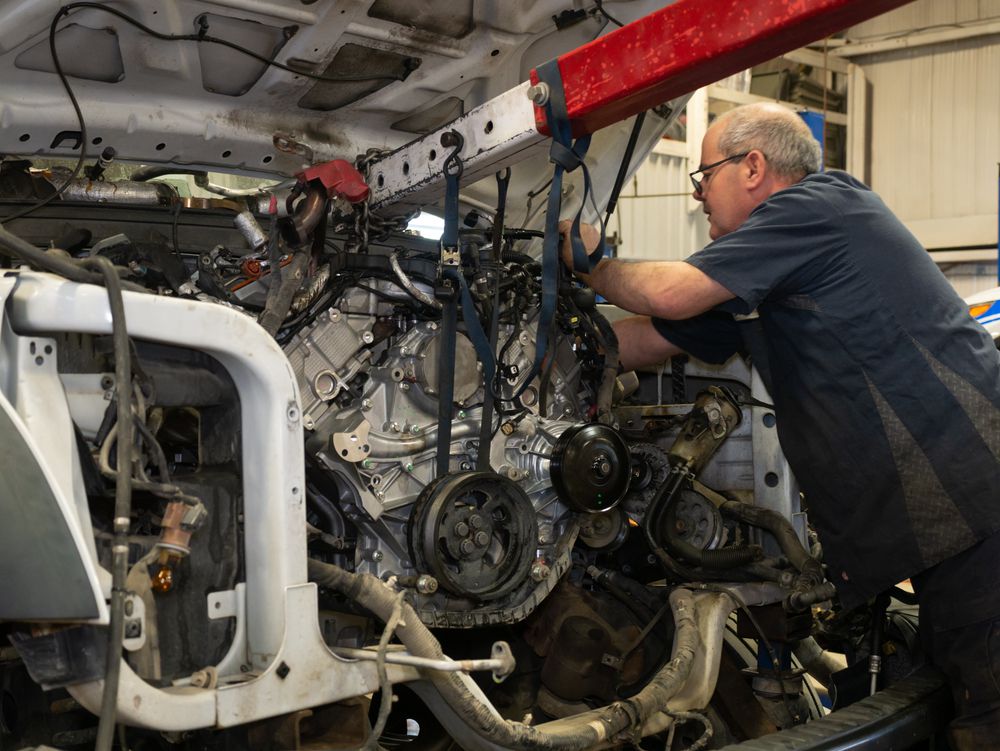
[
  {"x": 367, "y": 337},
  {"x": 461, "y": 529},
  {"x": 409, "y": 466},
  {"x": 366, "y": 404},
  {"x": 367, "y": 464},
  {"x": 461, "y": 414},
  {"x": 476, "y": 521},
  {"x": 375, "y": 556},
  {"x": 539, "y": 572},
  {"x": 482, "y": 539},
  {"x": 539, "y": 93},
  {"x": 426, "y": 585},
  {"x": 466, "y": 547}
]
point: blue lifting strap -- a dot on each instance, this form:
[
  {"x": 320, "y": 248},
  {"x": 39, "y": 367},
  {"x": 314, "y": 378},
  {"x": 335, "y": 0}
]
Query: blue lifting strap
[{"x": 566, "y": 156}]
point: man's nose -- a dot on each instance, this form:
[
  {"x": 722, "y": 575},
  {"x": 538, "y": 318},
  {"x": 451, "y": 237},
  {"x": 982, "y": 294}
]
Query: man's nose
[{"x": 698, "y": 195}]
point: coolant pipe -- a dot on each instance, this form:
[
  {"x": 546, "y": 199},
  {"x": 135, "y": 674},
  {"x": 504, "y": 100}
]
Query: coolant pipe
[
  {"x": 407, "y": 284},
  {"x": 583, "y": 731},
  {"x": 306, "y": 218},
  {"x": 819, "y": 663},
  {"x": 385, "y": 446},
  {"x": 811, "y": 572}
]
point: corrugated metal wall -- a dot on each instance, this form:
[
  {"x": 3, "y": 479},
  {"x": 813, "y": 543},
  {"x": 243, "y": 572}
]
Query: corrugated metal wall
[
  {"x": 656, "y": 217},
  {"x": 935, "y": 114},
  {"x": 935, "y": 128}
]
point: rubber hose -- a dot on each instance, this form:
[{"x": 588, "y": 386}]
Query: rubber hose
[
  {"x": 713, "y": 559},
  {"x": 279, "y": 303},
  {"x": 784, "y": 533},
  {"x": 588, "y": 729}
]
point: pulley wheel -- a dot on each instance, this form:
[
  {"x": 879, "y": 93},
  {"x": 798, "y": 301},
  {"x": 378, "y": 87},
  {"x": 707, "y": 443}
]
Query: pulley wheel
[
  {"x": 475, "y": 532},
  {"x": 590, "y": 467}
]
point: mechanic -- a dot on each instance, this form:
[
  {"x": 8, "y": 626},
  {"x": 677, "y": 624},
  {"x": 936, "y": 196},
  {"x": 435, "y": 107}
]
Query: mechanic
[{"x": 887, "y": 392}]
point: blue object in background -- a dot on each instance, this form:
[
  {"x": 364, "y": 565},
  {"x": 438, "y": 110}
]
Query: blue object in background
[{"x": 816, "y": 123}]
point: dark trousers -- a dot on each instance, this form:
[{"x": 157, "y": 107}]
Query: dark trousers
[
  {"x": 970, "y": 657},
  {"x": 960, "y": 631}
]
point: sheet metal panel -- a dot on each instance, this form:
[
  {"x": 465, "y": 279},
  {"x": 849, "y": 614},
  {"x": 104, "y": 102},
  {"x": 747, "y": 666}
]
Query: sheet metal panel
[{"x": 655, "y": 226}]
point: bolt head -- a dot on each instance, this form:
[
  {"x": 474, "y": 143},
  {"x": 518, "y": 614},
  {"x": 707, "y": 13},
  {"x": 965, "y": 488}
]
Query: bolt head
[
  {"x": 466, "y": 547},
  {"x": 461, "y": 529},
  {"x": 482, "y": 539}
]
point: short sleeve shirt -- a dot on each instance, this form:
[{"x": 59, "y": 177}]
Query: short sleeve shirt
[{"x": 887, "y": 393}]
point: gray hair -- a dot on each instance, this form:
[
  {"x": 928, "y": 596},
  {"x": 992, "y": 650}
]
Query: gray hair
[{"x": 790, "y": 147}]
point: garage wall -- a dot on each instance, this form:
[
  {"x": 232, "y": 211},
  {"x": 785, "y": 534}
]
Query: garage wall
[
  {"x": 934, "y": 126},
  {"x": 656, "y": 217}
]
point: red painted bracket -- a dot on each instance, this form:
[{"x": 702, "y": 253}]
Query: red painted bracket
[
  {"x": 689, "y": 44},
  {"x": 339, "y": 178}
]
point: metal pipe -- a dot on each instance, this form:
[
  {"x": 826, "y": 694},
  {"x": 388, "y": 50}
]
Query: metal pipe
[
  {"x": 386, "y": 447},
  {"x": 410, "y": 287},
  {"x": 313, "y": 206},
  {"x": 145, "y": 194},
  {"x": 501, "y": 666},
  {"x": 251, "y": 230}
]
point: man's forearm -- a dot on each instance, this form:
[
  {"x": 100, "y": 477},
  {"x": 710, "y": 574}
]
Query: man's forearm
[{"x": 665, "y": 289}]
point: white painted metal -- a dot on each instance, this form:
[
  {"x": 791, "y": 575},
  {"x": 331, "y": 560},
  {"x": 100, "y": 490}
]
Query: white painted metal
[
  {"x": 278, "y": 616},
  {"x": 32, "y": 397},
  {"x": 496, "y": 134},
  {"x": 273, "y": 475}
]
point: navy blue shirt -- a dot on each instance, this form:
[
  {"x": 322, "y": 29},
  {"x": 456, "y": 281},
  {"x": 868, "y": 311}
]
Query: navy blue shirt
[{"x": 887, "y": 393}]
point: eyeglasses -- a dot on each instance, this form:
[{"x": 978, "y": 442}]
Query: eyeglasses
[{"x": 698, "y": 184}]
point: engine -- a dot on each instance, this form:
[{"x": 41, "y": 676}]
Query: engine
[
  {"x": 312, "y": 402},
  {"x": 485, "y": 541}
]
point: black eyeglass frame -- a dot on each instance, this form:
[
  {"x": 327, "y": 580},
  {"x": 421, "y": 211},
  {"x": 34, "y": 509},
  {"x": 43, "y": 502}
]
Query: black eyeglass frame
[{"x": 698, "y": 183}]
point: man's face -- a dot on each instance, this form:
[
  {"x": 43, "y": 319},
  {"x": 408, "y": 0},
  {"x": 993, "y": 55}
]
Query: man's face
[{"x": 724, "y": 198}]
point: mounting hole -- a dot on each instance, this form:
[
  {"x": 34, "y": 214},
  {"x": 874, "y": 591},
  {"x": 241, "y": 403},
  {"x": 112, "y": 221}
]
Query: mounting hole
[
  {"x": 769, "y": 420},
  {"x": 494, "y": 53},
  {"x": 226, "y": 154},
  {"x": 489, "y": 127},
  {"x": 344, "y": 452},
  {"x": 218, "y": 605},
  {"x": 380, "y": 181},
  {"x": 161, "y": 146},
  {"x": 771, "y": 480},
  {"x": 433, "y": 154},
  {"x": 39, "y": 360},
  {"x": 266, "y": 160},
  {"x": 48, "y": 349},
  {"x": 97, "y": 141},
  {"x": 406, "y": 168},
  {"x": 24, "y": 137}
]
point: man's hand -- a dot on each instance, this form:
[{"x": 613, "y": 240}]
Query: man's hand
[{"x": 590, "y": 235}]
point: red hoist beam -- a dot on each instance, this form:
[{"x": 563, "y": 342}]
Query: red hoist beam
[
  {"x": 690, "y": 44},
  {"x": 655, "y": 59}
]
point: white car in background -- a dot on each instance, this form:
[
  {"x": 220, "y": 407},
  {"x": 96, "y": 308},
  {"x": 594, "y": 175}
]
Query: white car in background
[{"x": 985, "y": 307}]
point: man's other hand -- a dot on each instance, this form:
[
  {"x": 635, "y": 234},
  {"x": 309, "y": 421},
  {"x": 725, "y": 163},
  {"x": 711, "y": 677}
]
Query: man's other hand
[{"x": 590, "y": 235}]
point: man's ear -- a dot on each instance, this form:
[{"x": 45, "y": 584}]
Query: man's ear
[{"x": 757, "y": 168}]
